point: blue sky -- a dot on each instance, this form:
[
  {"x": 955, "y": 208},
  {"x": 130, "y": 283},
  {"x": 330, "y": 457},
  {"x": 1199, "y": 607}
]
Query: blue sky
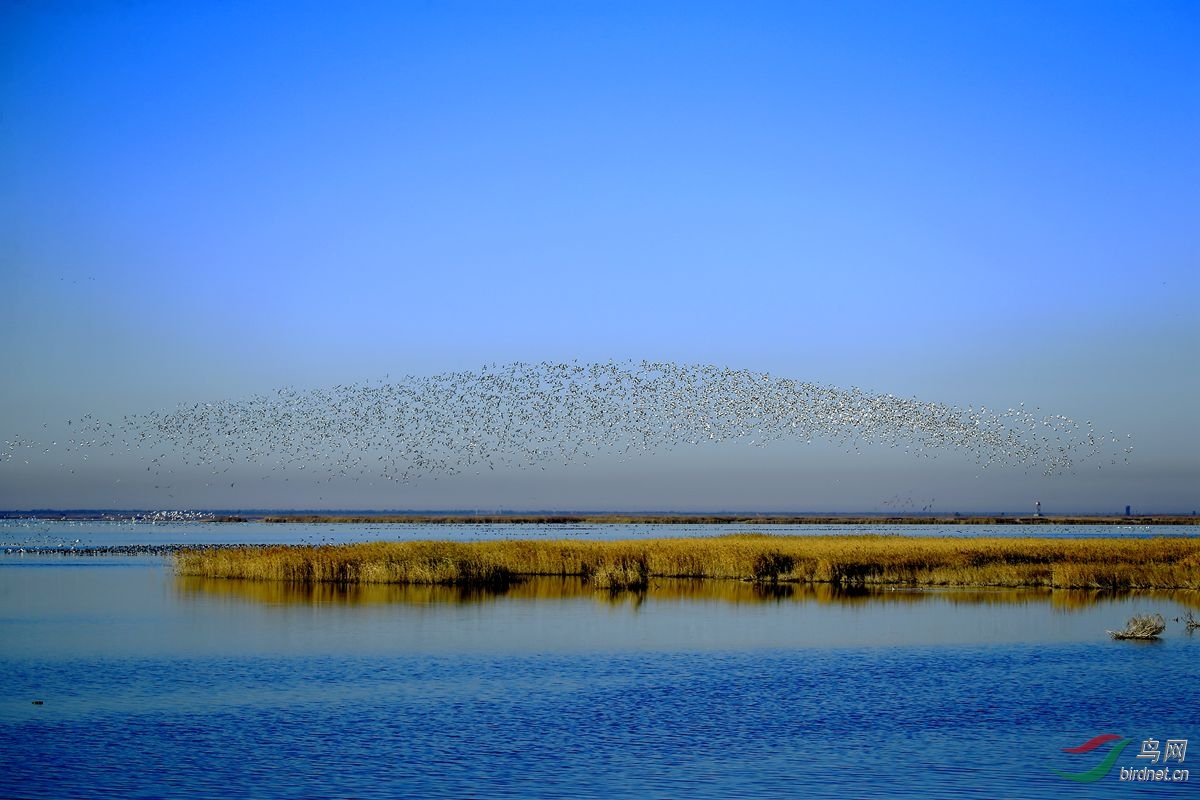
[{"x": 971, "y": 203}]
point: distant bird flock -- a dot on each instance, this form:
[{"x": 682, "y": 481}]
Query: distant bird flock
[{"x": 546, "y": 415}]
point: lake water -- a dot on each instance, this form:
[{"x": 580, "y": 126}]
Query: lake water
[
  {"x": 39, "y": 533},
  {"x": 153, "y": 685}
]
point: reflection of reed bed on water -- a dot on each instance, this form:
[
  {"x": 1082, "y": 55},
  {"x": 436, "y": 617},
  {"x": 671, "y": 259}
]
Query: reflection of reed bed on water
[
  {"x": 329, "y": 593},
  {"x": 843, "y": 561},
  {"x": 1070, "y": 599},
  {"x": 528, "y": 589},
  {"x": 659, "y": 590}
]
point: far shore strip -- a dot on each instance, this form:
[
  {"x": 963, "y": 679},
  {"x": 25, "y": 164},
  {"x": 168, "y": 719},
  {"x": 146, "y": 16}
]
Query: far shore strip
[
  {"x": 707, "y": 519},
  {"x": 844, "y": 560}
]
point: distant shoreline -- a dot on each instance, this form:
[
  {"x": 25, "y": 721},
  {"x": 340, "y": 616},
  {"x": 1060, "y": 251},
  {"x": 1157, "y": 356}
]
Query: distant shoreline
[
  {"x": 598, "y": 518},
  {"x": 713, "y": 519}
]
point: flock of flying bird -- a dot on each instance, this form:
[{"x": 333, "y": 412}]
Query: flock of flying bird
[{"x": 527, "y": 415}]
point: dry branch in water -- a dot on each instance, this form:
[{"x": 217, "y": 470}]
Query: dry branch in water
[{"x": 1141, "y": 626}]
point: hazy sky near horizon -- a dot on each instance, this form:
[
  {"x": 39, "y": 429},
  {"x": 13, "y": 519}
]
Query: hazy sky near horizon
[{"x": 968, "y": 203}]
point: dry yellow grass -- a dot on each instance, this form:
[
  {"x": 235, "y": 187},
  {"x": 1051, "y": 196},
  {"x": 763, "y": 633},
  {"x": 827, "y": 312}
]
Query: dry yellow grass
[
  {"x": 1142, "y": 626},
  {"x": 847, "y": 561}
]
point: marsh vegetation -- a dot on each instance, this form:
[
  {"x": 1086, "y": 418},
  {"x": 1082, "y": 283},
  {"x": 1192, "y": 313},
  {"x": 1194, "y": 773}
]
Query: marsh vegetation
[{"x": 845, "y": 561}]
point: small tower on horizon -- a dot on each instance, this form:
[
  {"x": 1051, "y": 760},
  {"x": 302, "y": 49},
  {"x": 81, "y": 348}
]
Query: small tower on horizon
[{"x": 1037, "y": 508}]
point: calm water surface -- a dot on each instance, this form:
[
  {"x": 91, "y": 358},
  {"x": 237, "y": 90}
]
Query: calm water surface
[
  {"x": 158, "y": 686},
  {"x": 17, "y": 533}
]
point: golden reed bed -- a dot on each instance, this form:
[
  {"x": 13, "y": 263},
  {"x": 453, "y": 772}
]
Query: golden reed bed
[{"x": 867, "y": 560}]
